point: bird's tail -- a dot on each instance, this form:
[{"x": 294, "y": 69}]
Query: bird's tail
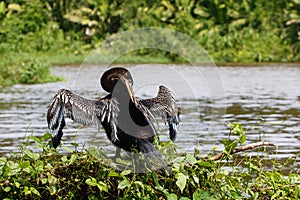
[{"x": 154, "y": 160}]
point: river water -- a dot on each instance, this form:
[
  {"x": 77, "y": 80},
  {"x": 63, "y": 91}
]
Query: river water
[{"x": 264, "y": 99}]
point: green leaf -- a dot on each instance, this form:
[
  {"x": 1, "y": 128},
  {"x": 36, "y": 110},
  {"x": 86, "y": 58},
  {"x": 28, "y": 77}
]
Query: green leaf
[
  {"x": 172, "y": 197},
  {"x": 184, "y": 198},
  {"x": 181, "y": 181},
  {"x": 46, "y": 136},
  {"x": 64, "y": 159},
  {"x": 39, "y": 166},
  {"x": 35, "y": 139},
  {"x": 12, "y": 165},
  {"x": 226, "y": 142},
  {"x": 246, "y": 196},
  {"x": 238, "y": 22},
  {"x": 51, "y": 179},
  {"x": 201, "y": 12},
  {"x": 14, "y": 6},
  {"x": 29, "y": 153},
  {"x": 126, "y": 172},
  {"x": 7, "y": 189},
  {"x": 34, "y": 191},
  {"x": 123, "y": 184},
  {"x": 91, "y": 181},
  {"x": 243, "y": 138},
  {"x": 115, "y": 174},
  {"x": 3, "y": 160},
  {"x": 162, "y": 189},
  {"x": 205, "y": 163},
  {"x": 17, "y": 184},
  {"x": 178, "y": 160},
  {"x": 92, "y": 197},
  {"x": 199, "y": 195},
  {"x": 74, "y": 144},
  {"x": 196, "y": 179},
  {"x": 72, "y": 159},
  {"x": 24, "y": 164},
  {"x": 140, "y": 184},
  {"x": 26, "y": 190},
  {"x": 32, "y": 155},
  {"x": 191, "y": 159},
  {"x": 12, "y": 168},
  {"x": 102, "y": 186},
  {"x": 196, "y": 196},
  {"x": 236, "y": 128},
  {"x": 44, "y": 180},
  {"x": 2, "y": 7},
  {"x": 229, "y": 144},
  {"x": 52, "y": 189},
  {"x": 28, "y": 169}
]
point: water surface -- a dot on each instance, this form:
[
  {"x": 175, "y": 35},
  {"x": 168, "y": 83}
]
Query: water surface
[{"x": 209, "y": 98}]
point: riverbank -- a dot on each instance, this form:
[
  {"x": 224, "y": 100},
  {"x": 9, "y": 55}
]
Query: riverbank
[
  {"x": 72, "y": 59},
  {"x": 23, "y": 68}
]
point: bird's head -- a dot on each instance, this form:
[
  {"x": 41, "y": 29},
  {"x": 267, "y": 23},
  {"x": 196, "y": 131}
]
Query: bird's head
[{"x": 116, "y": 79}]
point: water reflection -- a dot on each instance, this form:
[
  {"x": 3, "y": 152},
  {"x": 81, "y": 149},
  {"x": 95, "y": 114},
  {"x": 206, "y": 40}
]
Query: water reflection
[{"x": 270, "y": 93}]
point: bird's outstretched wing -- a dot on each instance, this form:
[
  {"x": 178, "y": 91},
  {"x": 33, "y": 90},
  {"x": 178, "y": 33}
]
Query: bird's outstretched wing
[
  {"x": 164, "y": 105},
  {"x": 87, "y": 112}
]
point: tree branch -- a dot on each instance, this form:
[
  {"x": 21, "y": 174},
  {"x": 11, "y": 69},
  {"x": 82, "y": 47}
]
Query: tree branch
[{"x": 244, "y": 148}]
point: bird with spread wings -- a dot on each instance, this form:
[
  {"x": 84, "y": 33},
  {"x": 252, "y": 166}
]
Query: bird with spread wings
[{"x": 127, "y": 120}]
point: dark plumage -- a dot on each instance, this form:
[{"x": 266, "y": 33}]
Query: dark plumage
[{"x": 127, "y": 120}]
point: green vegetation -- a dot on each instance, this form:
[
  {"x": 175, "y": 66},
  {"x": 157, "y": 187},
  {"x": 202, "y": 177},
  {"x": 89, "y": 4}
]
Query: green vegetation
[
  {"x": 36, "y": 34},
  {"x": 25, "y": 70},
  {"x": 41, "y": 172},
  {"x": 61, "y": 32}
]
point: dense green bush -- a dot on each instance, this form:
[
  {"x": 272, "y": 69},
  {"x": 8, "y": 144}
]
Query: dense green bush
[
  {"x": 41, "y": 172},
  {"x": 25, "y": 70},
  {"x": 231, "y": 31}
]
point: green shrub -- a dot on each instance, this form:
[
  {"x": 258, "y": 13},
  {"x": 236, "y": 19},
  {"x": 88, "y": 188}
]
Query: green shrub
[
  {"x": 39, "y": 171},
  {"x": 24, "y": 69},
  {"x": 231, "y": 32}
]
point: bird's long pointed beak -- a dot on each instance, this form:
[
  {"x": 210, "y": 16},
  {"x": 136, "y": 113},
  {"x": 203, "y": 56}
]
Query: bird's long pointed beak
[{"x": 130, "y": 91}]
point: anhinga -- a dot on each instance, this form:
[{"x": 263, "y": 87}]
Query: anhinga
[{"x": 127, "y": 120}]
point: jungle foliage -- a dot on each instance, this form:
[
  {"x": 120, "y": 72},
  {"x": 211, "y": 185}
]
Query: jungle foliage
[{"x": 64, "y": 31}]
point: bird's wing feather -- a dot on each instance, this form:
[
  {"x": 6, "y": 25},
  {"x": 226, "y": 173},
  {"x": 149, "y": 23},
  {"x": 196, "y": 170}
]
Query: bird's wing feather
[
  {"x": 87, "y": 112},
  {"x": 164, "y": 105}
]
